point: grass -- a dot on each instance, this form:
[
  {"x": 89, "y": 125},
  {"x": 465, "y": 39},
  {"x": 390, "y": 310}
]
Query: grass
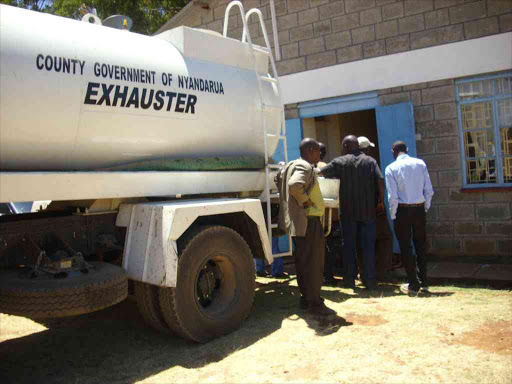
[{"x": 458, "y": 334}]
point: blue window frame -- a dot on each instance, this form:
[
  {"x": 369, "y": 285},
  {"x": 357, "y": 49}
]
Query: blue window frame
[{"x": 484, "y": 108}]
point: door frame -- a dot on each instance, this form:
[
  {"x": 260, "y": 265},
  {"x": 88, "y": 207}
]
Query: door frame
[
  {"x": 352, "y": 103},
  {"x": 334, "y": 106}
]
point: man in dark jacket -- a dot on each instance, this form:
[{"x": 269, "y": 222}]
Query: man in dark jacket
[
  {"x": 384, "y": 236},
  {"x": 360, "y": 177}
]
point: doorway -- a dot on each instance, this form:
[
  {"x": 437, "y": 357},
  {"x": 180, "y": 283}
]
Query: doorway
[
  {"x": 329, "y": 121},
  {"x": 331, "y": 130}
]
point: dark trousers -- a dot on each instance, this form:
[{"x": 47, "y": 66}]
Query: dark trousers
[
  {"x": 277, "y": 267},
  {"x": 366, "y": 232},
  {"x": 383, "y": 248},
  {"x": 410, "y": 222},
  {"x": 309, "y": 261},
  {"x": 333, "y": 248}
]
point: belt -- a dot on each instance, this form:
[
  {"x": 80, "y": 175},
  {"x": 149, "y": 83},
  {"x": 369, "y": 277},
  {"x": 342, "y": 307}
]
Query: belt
[{"x": 411, "y": 205}]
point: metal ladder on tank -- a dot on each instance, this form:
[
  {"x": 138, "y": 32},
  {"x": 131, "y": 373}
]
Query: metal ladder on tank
[{"x": 274, "y": 79}]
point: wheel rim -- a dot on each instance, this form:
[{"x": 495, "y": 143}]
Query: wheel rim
[{"x": 215, "y": 287}]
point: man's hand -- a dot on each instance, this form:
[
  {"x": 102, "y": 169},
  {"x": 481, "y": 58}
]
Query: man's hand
[{"x": 308, "y": 203}]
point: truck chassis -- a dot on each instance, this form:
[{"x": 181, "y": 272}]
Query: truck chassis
[{"x": 57, "y": 264}]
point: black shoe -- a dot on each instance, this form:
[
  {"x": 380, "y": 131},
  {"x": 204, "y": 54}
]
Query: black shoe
[
  {"x": 261, "y": 274},
  {"x": 330, "y": 282},
  {"x": 386, "y": 278},
  {"x": 349, "y": 284},
  {"x": 424, "y": 289},
  {"x": 370, "y": 285},
  {"x": 321, "y": 310},
  {"x": 279, "y": 276}
]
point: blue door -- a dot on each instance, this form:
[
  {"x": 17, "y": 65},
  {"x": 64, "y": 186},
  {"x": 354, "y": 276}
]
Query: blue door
[
  {"x": 394, "y": 122},
  {"x": 293, "y": 139}
]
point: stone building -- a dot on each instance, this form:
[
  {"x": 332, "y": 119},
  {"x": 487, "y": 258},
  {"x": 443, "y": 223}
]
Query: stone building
[{"x": 435, "y": 73}]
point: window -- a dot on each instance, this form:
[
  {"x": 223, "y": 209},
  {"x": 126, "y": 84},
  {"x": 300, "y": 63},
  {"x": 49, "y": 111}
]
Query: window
[{"x": 485, "y": 122}]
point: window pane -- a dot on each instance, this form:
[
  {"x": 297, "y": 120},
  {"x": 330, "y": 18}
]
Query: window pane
[
  {"x": 481, "y": 171},
  {"x": 477, "y": 115},
  {"x": 486, "y": 129},
  {"x": 479, "y": 144},
  {"x": 507, "y": 169},
  {"x": 505, "y": 124},
  {"x": 504, "y": 86},
  {"x": 505, "y": 113},
  {"x": 475, "y": 89},
  {"x": 506, "y": 141}
]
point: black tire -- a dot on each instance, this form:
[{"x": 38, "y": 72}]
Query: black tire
[
  {"x": 47, "y": 297},
  {"x": 148, "y": 303},
  {"x": 215, "y": 286}
]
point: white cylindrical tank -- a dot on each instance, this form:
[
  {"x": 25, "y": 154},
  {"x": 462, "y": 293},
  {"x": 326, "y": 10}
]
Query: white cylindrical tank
[{"x": 78, "y": 96}]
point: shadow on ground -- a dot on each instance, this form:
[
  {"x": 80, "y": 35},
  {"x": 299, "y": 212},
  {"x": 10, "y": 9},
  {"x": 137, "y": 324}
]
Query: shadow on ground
[
  {"x": 283, "y": 296},
  {"x": 115, "y": 345}
]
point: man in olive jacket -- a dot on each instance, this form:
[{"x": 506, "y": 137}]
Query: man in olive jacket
[{"x": 302, "y": 207}]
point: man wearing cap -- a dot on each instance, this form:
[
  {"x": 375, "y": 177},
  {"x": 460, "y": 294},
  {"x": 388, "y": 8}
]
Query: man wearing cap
[
  {"x": 360, "y": 178},
  {"x": 323, "y": 152},
  {"x": 384, "y": 236},
  {"x": 364, "y": 143},
  {"x": 409, "y": 194}
]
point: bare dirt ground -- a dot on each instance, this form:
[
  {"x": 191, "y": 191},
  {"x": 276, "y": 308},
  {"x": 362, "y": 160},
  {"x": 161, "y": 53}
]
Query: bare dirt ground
[{"x": 454, "y": 335}]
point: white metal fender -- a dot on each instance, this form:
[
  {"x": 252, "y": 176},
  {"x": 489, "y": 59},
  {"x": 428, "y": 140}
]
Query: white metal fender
[{"x": 150, "y": 252}]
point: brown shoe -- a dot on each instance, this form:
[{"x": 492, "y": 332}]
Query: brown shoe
[
  {"x": 321, "y": 310},
  {"x": 303, "y": 304}
]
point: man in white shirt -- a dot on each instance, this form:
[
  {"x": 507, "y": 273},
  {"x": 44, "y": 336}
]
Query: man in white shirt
[{"x": 409, "y": 194}]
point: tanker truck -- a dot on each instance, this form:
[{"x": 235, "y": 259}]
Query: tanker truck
[{"x": 155, "y": 152}]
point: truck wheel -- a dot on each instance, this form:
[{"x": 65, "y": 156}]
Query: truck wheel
[
  {"x": 215, "y": 286},
  {"x": 49, "y": 297},
  {"x": 148, "y": 303}
]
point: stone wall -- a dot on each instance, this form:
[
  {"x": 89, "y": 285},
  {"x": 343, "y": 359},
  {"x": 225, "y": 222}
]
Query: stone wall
[
  {"x": 460, "y": 222},
  {"x": 321, "y": 33}
]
